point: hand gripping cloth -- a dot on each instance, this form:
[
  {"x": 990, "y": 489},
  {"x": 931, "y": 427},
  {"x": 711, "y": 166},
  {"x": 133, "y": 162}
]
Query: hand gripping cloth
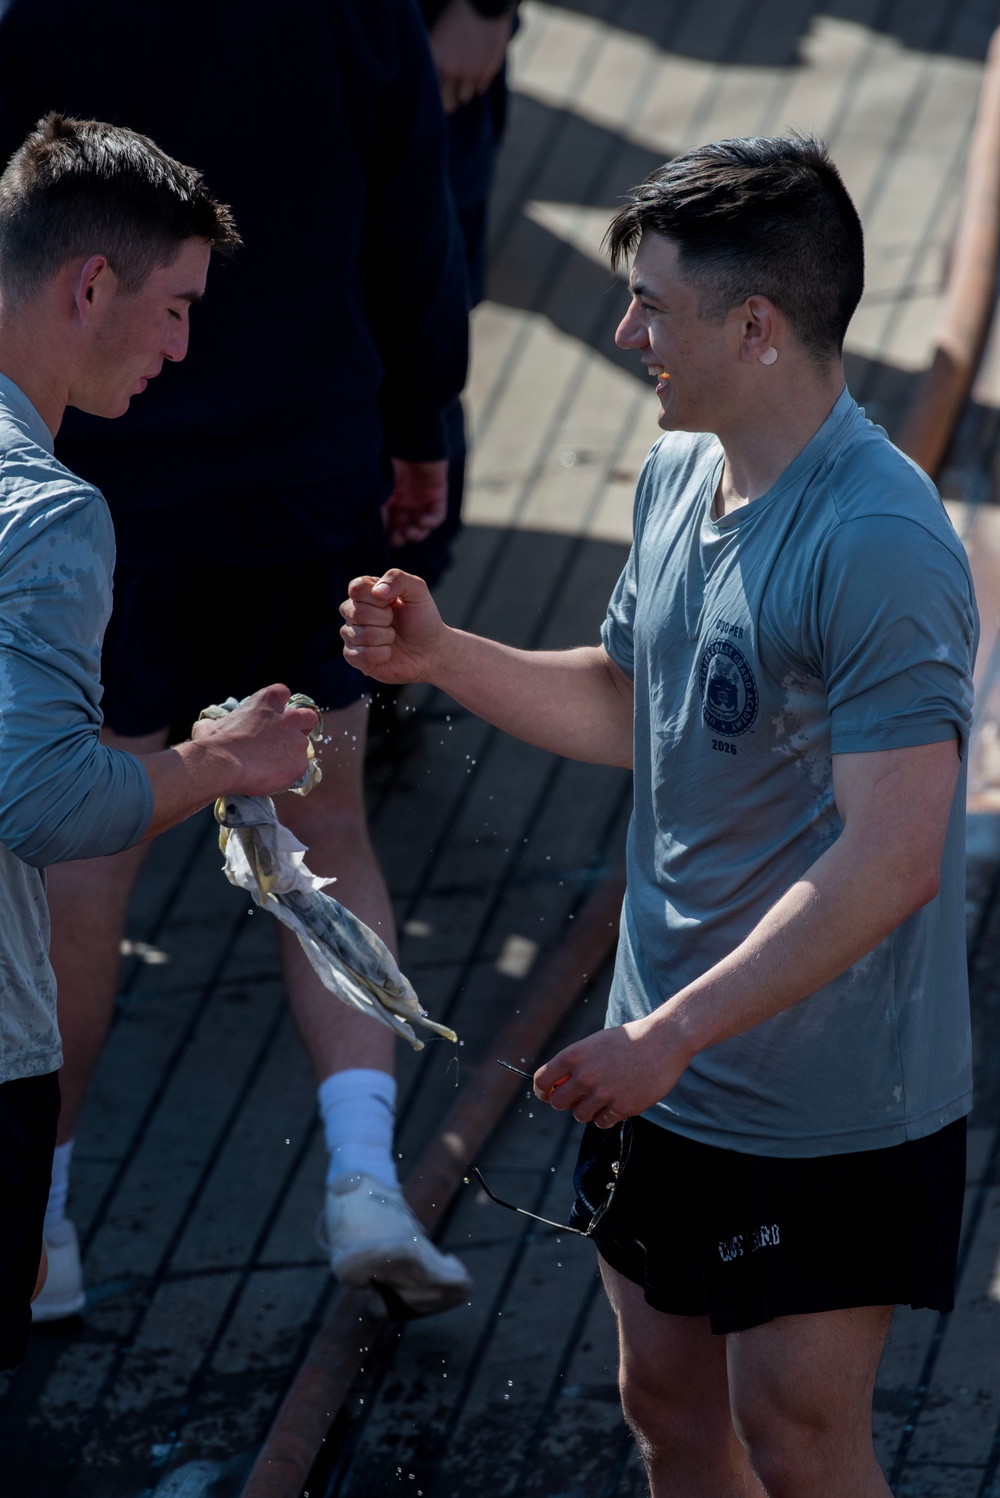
[{"x": 265, "y": 859}]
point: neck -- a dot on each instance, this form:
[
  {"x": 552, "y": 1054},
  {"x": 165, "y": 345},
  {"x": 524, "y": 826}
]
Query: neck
[
  {"x": 28, "y": 358},
  {"x": 762, "y": 442}
]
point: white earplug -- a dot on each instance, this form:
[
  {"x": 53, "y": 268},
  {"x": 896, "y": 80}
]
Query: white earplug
[{"x": 769, "y": 357}]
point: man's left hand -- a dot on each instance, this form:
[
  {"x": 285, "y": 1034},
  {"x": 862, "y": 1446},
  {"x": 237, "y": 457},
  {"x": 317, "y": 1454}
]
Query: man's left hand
[
  {"x": 614, "y": 1074},
  {"x": 419, "y": 501}
]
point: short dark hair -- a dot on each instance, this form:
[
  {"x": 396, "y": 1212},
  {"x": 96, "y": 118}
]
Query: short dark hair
[
  {"x": 82, "y": 187},
  {"x": 765, "y": 216}
]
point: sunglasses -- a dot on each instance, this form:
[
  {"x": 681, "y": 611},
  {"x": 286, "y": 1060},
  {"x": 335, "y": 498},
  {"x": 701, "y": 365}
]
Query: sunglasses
[{"x": 597, "y": 1212}]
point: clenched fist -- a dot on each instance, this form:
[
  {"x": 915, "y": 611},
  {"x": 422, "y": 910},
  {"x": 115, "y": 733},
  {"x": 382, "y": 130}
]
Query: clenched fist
[{"x": 392, "y": 628}]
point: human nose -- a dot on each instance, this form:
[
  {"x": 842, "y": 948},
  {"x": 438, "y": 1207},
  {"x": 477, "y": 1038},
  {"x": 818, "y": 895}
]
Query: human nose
[
  {"x": 177, "y": 344},
  {"x": 631, "y": 331}
]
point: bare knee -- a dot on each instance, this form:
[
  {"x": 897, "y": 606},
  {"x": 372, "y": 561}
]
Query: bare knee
[
  {"x": 788, "y": 1455},
  {"x": 653, "y": 1419},
  {"x": 804, "y": 1450},
  {"x": 672, "y": 1425}
]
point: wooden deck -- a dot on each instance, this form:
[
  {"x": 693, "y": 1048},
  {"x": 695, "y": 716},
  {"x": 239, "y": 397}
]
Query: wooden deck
[{"x": 198, "y": 1172}]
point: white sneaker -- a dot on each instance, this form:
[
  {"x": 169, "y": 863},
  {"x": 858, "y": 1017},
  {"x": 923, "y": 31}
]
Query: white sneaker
[
  {"x": 62, "y": 1294},
  {"x": 373, "y": 1238}
]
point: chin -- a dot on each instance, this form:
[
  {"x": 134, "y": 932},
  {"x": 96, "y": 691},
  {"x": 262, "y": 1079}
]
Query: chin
[
  {"x": 108, "y": 409},
  {"x": 671, "y": 420}
]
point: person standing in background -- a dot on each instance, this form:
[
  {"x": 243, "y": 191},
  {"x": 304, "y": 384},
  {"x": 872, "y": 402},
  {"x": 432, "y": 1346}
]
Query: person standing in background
[
  {"x": 314, "y": 401},
  {"x": 469, "y": 41}
]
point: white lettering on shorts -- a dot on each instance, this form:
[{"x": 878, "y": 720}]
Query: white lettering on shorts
[{"x": 768, "y": 1236}]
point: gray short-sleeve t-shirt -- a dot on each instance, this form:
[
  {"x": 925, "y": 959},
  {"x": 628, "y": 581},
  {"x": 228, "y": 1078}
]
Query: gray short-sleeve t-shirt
[
  {"x": 62, "y": 794},
  {"x": 833, "y": 615}
]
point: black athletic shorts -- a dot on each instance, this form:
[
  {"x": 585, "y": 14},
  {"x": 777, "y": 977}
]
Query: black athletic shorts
[
  {"x": 184, "y": 635},
  {"x": 29, "y": 1112},
  {"x": 744, "y": 1238}
]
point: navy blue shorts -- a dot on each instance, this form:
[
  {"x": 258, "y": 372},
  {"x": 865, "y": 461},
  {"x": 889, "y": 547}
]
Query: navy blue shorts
[
  {"x": 183, "y": 636},
  {"x": 29, "y": 1112},
  {"x": 742, "y": 1239}
]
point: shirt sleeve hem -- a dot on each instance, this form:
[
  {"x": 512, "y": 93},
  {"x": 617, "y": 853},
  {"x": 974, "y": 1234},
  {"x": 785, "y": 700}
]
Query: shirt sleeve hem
[{"x": 910, "y": 734}]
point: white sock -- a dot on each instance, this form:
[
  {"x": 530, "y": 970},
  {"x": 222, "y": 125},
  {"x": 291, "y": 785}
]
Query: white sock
[
  {"x": 55, "y": 1211},
  {"x": 358, "y": 1109}
]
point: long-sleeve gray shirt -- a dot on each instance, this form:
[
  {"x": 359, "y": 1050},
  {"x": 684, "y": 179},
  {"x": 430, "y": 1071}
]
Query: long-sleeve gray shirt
[{"x": 62, "y": 794}]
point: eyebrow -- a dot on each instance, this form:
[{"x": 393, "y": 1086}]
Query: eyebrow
[
  {"x": 191, "y": 297},
  {"x": 642, "y": 289}
]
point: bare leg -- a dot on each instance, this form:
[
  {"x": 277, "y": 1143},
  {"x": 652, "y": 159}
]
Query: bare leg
[
  {"x": 332, "y": 821},
  {"x": 801, "y": 1390},
  {"x": 369, "y": 1232},
  {"x": 675, "y": 1394},
  {"x": 87, "y": 901}
]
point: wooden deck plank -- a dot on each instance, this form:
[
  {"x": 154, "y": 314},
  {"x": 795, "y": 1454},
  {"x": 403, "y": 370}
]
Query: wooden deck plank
[
  {"x": 831, "y": 53},
  {"x": 292, "y": 1237},
  {"x": 153, "y": 1197},
  {"x": 410, "y": 1417},
  {"x": 584, "y": 447},
  {"x": 959, "y": 1420},
  {"x": 249, "y": 1367},
  {"x": 269, "y": 1131},
  {"x": 516, "y": 1370},
  {"x": 520, "y": 432},
  {"x": 583, "y": 1429}
]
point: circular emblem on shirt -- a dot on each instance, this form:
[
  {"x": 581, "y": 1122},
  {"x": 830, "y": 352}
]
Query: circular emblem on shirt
[{"x": 728, "y": 690}]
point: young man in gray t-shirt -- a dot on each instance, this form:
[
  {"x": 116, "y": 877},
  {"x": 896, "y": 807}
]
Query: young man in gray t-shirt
[
  {"x": 787, "y": 662},
  {"x": 105, "y": 245}
]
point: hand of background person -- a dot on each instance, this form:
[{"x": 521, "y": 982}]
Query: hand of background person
[
  {"x": 418, "y": 502},
  {"x": 468, "y": 51},
  {"x": 264, "y": 740},
  {"x": 43, "y": 1273},
  {"x": 615, "y": 1074},
  {"x": 393, "y": 630}
]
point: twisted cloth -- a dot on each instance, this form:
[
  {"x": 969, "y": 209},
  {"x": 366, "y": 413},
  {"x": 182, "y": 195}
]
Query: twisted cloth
[{"x": 265, "y": 859}]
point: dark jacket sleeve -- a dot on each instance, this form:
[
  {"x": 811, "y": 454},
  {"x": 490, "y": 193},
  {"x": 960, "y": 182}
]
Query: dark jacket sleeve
[{"x": 414, "y": 268}]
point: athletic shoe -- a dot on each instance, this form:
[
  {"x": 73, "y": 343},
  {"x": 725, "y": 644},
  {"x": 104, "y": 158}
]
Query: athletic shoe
[
  {"x": 62, "y": 1294},
  {"x": 373, "y": 1238}
]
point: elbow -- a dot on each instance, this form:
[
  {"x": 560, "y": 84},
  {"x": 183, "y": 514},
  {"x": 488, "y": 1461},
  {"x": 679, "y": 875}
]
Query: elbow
[
  {"x": 56, "y": 823},
  {"x": 920, "y": 888},
  {"x": 35, "y": 840},
  {"x": 30, "y": 844}
]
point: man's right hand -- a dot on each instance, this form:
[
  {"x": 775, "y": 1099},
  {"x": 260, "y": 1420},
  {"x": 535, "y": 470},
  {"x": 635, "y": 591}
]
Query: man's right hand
[
  {"x": 393, "y": 630},
  {"x": 261, "y": 747},
  {"x": 468, "y": 51}
]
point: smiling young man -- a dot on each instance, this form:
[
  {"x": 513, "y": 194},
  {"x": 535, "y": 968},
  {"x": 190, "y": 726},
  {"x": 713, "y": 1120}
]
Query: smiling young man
[
  {"x": 787, "y": 660},
  {"x": 104, "y": 245}
]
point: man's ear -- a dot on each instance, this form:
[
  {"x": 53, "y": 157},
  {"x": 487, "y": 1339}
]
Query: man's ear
[
  {"x": 760, "y": 326},
  {"x": 93, "y": 285}
]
